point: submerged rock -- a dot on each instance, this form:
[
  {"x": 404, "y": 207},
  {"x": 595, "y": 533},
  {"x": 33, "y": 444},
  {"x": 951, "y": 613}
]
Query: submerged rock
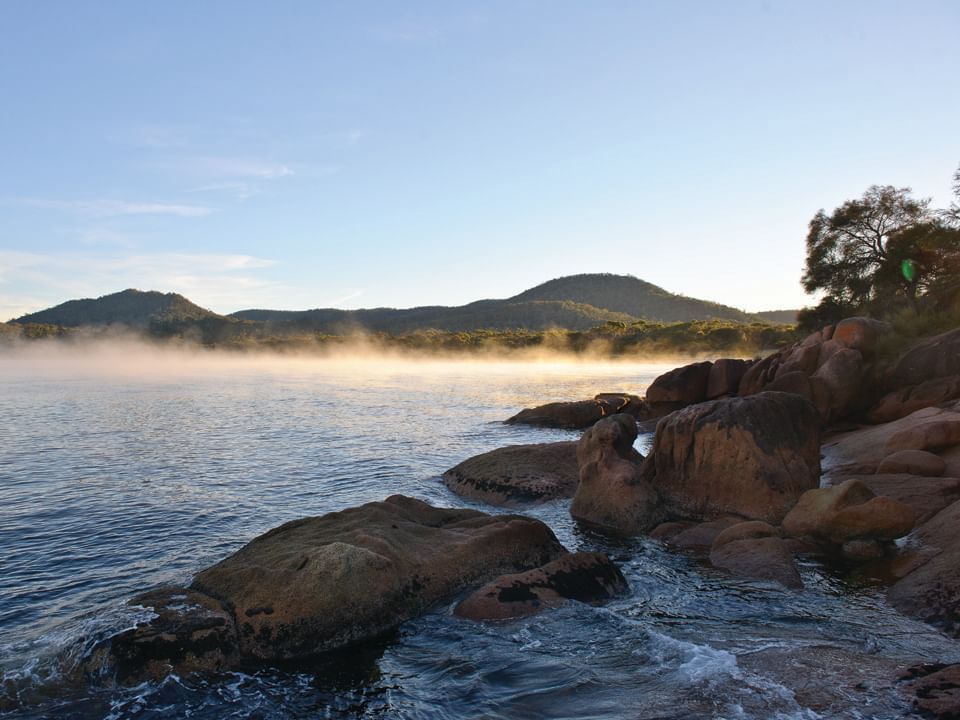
[
  {"x": 518, "y": 474},
  {"x": 754, "y": 550},
  {"x": 583, "y": 576},
  {"x": 611, "y": 493},
  {"x": 580, "y": 414},
  {"x": 752, "y": 457}
]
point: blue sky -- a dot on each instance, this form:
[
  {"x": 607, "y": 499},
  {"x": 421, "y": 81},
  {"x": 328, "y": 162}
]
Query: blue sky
[{"x": 311, "y": 154}]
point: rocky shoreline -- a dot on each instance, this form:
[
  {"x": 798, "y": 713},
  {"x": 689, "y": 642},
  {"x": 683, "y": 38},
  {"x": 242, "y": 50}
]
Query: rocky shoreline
[{"x": 823, "y": 450}]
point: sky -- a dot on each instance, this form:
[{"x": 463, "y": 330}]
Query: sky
[{"x": 292, "y": 155}]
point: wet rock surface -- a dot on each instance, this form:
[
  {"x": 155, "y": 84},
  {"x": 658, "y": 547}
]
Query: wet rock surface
[
  {"x": 320, "y": 583},
  {"x": 191, "y": 632},
  {"x": 578, "y": 414},
  {"x": 754, "y": 550},
  {"x": 934, "y": 690},
  {"x": 518, "y": 474},
  {"x": 931, "y": 590},
  {"x": 583, "y": 576}
]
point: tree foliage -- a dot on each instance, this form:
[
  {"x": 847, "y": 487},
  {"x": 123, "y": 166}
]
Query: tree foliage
[{"x": 881, "y": 253}]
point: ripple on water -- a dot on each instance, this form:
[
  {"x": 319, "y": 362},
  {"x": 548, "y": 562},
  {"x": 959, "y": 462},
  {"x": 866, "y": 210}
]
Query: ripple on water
[{"x": 110, "y": 484}]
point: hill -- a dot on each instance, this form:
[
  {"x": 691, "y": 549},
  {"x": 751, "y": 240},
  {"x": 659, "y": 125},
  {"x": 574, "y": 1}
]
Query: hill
[
  {"x": 489, "y": 314},
  {"x": 783, "y": 317},
  {"x": 632, "y": 296},
  {"x": 133, "y": 308},
  {"x": 576, "y": 302}
]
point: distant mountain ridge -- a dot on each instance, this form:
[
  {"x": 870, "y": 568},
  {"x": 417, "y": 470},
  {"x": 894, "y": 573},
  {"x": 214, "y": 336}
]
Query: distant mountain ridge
[{"x": 576, "y": 302}]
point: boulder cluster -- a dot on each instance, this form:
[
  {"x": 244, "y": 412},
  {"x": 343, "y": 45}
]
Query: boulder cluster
[{"x": 824, "y": 448}]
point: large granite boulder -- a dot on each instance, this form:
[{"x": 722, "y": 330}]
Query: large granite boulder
[
  {"x": 926, "y": 496},
  {"x": 861, "y": 334},
  {"x": 914, "y": 462},
  {"x": 320, "y": 583},
  {"x": 841, "y": 376},
  {"x": 934, "y": 434},
  {"x": 930, "y": 358},
  {"x": 725, "y": 376},
  {"x": 903, "y": 401},
  {"x": 583, "y": 576},
  {"x": 849, "y": 516},
  {"x": 518, "y": 474},
  {"x": 752, "y": 457},
  {"x": 611, "y": 493},
  {"x": 682, "y": 386},
  {"x": 754, "y": 550},
  {"x": 578, "y": 414},
  {"x": 862, "y": 450}
]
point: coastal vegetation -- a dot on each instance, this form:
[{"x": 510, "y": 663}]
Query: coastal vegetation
[{"x": 887, "y": 255}]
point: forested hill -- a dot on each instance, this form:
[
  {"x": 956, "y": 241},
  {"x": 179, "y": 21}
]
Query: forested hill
[
  {"x": 133, "y": 308},
  {"x": 576, "y": 302},
  {"x": 632, "y": 296}
]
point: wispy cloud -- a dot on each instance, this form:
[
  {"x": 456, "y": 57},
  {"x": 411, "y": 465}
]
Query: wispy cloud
[
  {"x": 351, "y": 295},
  {"x": 111, "y": 208},
  {"x": 222, "y": 282}
]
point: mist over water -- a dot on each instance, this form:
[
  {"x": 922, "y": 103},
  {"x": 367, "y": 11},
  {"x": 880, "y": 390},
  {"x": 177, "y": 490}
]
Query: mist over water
[{"x": 124, "y": 466}]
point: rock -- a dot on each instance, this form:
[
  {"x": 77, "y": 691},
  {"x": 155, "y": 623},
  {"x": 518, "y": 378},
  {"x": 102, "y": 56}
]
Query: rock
[
  {"x": 192, "y": 632},
  {"x": 580, "y": 414},
  {"x": 931, "y": 592},
  {"x": 828, "y": 350},
  {"x": 795, "y": 382},
  {"x": 665, "y": 532},
  {"x": 842, "y": 376},
  {"x": 800, "y": 358},
  {"x": 863, "y": 449},
  {"x": 518, "y": 474},
  {"x": 725, "y": 376},
  {"x": 913, "y": 462},
  {"x": 927, "y": 359},
  {"x": 861, "y": 550},
  {"x": 751, "y": 457},
  {"x": 583, "y": 576},
  {"x": 861, "y": 334},
  {"x": 904, "y": 401},
  {"x": 320, "y": 583},
  {"x": 935, "y": 690},
  {"x": 849, "y": 511},
  {"x": 611, "y": 493},
  {"x": 754, "y": 550},
  {"x": 700, "y": 536},
  {"x": 825, "y": 680},
  {"x": 926, "y": 496},
  {"x": 759, "y": 375},
  {"x": 935, "y": 434},
  {"x": 684, "y": 385}
]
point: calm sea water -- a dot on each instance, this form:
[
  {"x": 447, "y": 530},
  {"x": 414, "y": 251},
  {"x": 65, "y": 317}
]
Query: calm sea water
[{"x": 124, "y": 469}]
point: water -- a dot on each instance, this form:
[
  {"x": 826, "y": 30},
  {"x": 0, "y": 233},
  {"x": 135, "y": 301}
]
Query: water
[{"x": 123, "y": 472}]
